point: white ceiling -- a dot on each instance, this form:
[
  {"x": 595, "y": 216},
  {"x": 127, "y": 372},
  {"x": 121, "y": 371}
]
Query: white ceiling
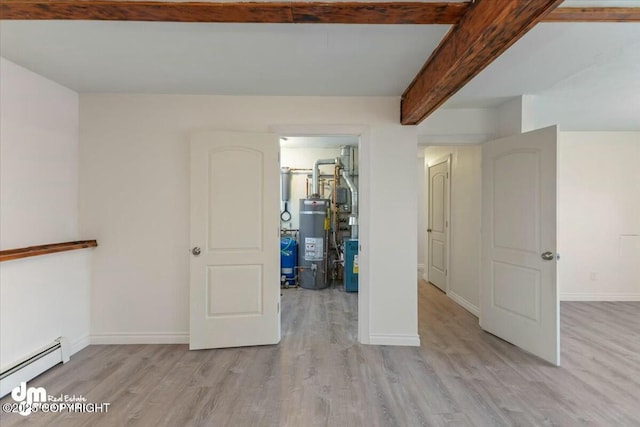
[
  {"x": 586, "y": 76},
  {"x": 225, "y": 59},
  {"x": 553, "y": 57}
]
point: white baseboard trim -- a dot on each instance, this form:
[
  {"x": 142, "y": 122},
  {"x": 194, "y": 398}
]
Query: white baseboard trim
[
  {"x": 464, "y": 303},
  {"x": 392, "y": 339},
  {"x": 33, "y": 364},
  {"x": 141, "y": 338},
  {"x": 422, "y": 272},
  {"x": 30, "y": 371},
  {"x": 80, "y": 343},
  {"x": 568, "y": 296}
]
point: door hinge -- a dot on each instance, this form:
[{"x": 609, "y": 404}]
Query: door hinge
[
  {"x": 278, "y": 307},
  {"x": 446, "y": 272},
  {"x": 447, "y": 175}
]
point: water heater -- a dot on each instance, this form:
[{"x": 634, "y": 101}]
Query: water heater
[{"x": 312, "y": 244}]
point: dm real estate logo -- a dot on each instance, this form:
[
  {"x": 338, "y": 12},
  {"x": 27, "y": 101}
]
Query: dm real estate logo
[{"x": 29, "y": 400}]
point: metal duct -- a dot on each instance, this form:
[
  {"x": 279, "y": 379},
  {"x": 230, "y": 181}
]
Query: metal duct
[
  {"x": 316, "y": 172},
  {"x": 345, "y": 157},
  {"x": 285, "y": 181},
  {"x": 353, "y": 218}
]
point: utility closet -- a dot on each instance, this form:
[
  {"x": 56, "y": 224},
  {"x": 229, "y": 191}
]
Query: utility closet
[{"x": 319, "y": 220}]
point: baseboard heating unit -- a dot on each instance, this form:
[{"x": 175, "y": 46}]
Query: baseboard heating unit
[{"x": 33, "y": 365}]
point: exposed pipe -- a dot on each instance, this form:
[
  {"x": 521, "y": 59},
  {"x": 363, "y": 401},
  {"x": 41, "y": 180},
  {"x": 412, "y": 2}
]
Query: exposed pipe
[
  {"x": 326, "y": 257},
  {"x": 345, "y": 158},
  {"x": 336, "y": 217},
  {"x": 316, "y": 172},
  {"x": 285, "y": 182},
  {"x": 353, "y": 218}
]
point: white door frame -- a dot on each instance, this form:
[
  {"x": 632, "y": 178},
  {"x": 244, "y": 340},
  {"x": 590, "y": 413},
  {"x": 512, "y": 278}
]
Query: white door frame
[
  {"x": 364, "y": 167},
  {"x": 444, "y": 159}
]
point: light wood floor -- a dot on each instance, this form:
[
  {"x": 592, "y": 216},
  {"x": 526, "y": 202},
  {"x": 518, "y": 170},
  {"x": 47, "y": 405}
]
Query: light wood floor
[{"x": 319, "y": 376}]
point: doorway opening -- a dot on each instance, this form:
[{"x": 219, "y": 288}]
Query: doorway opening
[
  {"x": 503, "y": 236},
  {"x": 460, "y": 210},
  {"x": 319, "y": 212},
  {"x": 319, "y": 222}
]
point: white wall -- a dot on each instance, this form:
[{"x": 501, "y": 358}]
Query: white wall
[
  {"x": 464, "y": 269},
  {"x": 392, "y": 224},
  {"x": 134, "y": 157},
  {"x": 515, "y": 116},
  {"x": 43, "y": 297},
  {"x": 599, "y": 215},
  {"x": 458, "y": 126}
]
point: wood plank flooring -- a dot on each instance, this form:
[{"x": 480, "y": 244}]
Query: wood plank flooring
[{"x": 319, "y": 376}]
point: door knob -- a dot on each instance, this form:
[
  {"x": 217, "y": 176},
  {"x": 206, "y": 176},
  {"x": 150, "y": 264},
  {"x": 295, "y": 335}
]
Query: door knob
[
  {"x": 428, "y": 230},
  {"x": 547, "y": 256},
  {"x": 195, "y": 251}
]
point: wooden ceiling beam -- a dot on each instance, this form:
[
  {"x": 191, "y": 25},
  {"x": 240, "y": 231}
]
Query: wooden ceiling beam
[
  {"x": 98, "y": 10},
  {"x": 487, "y": 29},
  {"x": 594, "y": 14},
  {"x": 241, "y": 12},
  {"x": 296, "y": 12},
  {"x": 339, "y": 12}
]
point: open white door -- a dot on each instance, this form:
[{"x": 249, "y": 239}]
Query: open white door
[
  {"x": 519, "y": 296},
  {"x": 235, "y": 284}
]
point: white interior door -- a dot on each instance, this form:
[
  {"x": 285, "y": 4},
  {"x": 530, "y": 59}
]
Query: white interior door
[
  {"x": 438, "y": 224},
  {"x": 235, "y": 284},
  {"x": 519, "y": 296}
]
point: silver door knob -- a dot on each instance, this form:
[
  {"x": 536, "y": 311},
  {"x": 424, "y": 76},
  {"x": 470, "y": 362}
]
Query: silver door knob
[
  {"x": 547, "y": 256},
  {"x": 195, "y": 251}
]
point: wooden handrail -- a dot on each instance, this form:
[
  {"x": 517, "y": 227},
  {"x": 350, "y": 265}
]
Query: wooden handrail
[{"x": 30, "y": 251}]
